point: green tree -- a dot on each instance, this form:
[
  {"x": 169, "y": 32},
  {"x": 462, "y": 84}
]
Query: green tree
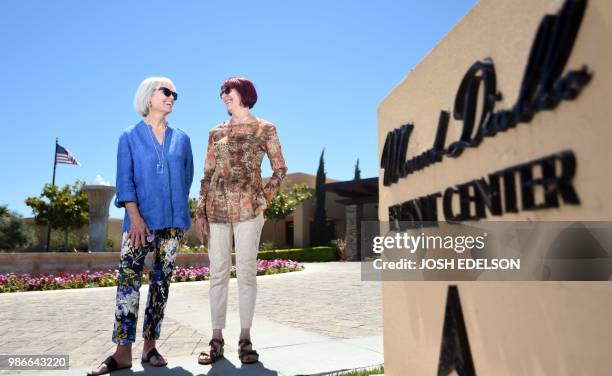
[
  {"x": 357, "y": 175},
  {"x": 284, "y": 203},
  {"x": 14, "y": 234},
  {"x": 62, "y": 209},
  {"x": 193, "y": 207},
  {"x": 321, "y": 233}
]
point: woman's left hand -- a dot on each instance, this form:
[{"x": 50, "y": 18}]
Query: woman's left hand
[{"x": 201, "y": 228}]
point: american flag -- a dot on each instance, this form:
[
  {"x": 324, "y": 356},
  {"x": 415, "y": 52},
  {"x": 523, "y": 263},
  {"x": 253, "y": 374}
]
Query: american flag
[{"x": 62, "y": 155}]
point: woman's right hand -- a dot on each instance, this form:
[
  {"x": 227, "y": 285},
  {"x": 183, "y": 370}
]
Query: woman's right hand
[
  {"x": 138, "y": 232},
  {"x": 138, "y": 228},
  {"x": 201, "y": 228}
]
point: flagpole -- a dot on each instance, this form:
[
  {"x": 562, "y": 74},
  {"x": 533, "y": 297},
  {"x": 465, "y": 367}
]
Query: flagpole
[
  {"x": 54, "y": 160},
  {"x": 52, "y": 183}
]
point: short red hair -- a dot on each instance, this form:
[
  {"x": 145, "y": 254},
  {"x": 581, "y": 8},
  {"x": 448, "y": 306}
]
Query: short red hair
[{"x": 244, "y": 87}]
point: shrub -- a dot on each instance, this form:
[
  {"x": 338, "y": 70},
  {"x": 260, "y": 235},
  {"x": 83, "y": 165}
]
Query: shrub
[
  {"x": 341, "y": 246},
  {"x": 14, "y": 233},
  {"x": 301, "y": 254},
  {"x": 195, "y": 249},
  {"x": 74, "y": 242},
  {"x": 270, "y": 246}
]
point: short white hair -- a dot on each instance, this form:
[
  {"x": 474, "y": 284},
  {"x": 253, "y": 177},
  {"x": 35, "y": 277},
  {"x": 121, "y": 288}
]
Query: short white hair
[{"x": 146, "y": 90}]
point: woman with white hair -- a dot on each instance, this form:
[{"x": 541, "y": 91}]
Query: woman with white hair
[{"x": 154, "y": 174}]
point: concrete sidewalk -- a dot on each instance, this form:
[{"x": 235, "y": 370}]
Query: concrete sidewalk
[
  {"x": 305, "y": 355},
  {"x": 316, "y": 321}
]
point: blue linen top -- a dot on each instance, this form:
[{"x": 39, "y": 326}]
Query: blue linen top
[{"x": 162, "y": 198}]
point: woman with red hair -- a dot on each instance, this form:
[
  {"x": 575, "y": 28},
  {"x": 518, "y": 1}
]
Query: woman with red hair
[{"x": 232, "y": 201}]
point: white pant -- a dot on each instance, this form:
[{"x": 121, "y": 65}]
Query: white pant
[{"x": 246, "y": 236}]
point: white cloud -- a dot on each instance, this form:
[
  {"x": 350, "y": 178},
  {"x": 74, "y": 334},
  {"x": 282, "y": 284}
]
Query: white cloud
[{"x": 100, "y": 181}]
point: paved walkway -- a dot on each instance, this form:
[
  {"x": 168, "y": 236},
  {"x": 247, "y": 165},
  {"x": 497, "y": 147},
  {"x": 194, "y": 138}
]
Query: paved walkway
[{"x": 315, "y": 321}]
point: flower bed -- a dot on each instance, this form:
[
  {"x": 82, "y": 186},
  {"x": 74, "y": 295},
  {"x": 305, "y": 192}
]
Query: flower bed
[{"x": 25, "y": 282}]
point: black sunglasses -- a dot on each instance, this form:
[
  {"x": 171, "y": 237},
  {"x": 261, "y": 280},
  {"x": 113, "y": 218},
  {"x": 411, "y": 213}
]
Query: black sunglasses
[
  {"x": 225, "y": 90},
  {"x": 167, "y": 92}
]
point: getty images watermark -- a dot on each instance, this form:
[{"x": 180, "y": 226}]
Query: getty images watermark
[
  {"x": 494, "y": 251},
  {"x": 458, "y": 244}
]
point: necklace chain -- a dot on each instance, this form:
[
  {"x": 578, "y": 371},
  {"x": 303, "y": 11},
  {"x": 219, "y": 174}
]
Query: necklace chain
[{"x": 160, "y": 159}]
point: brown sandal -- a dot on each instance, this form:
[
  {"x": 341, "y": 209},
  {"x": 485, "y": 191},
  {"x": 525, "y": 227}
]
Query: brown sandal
[
  {"x": 216, "y": 352},
  {"x": 245, "y": 350}
]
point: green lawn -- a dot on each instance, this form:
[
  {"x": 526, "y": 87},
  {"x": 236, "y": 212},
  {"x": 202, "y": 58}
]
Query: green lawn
[{"x": 362, "y": 372}]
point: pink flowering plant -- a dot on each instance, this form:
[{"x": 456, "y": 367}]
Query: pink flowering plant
[{"x": 40, "y": 282}]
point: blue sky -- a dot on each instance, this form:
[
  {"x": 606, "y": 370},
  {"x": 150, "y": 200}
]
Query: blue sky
[{"x": 70, "y": 70}]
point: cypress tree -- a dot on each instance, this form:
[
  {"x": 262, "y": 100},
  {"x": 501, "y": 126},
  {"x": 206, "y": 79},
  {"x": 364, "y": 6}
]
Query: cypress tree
[
  {"x": 320, "y": 235},
  {"x": 357, "y": 171}
]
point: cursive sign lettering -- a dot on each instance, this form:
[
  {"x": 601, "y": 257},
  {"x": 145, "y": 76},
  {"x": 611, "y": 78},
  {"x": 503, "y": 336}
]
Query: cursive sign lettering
[{"x": 543, "y": 87}]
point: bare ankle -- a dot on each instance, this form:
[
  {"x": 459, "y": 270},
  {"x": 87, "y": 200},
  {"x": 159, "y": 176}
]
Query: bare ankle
[
  {"x": 245, "y": 333},
  {"x": 124, "y": 351},
  {"x": 148, "y": 344},
  {"x": 217, "y": 334}
]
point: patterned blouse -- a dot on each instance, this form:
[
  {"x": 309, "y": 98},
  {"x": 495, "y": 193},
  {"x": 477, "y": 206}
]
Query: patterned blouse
[{"x": 231, "y": 189}]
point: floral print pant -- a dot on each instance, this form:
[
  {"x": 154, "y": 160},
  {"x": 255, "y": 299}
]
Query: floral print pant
[{"x": 165, "y": 244}]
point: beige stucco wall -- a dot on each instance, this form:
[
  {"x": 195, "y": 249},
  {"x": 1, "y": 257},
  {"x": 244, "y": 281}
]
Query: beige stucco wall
[
  {"x": 114, "y": 233},
  {"x": 70, "y": 262},
  {"x": 514, "y": 328}
]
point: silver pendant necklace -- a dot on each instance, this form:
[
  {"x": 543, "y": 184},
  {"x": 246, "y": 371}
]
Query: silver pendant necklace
[{"x": 160, "y": 158}]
